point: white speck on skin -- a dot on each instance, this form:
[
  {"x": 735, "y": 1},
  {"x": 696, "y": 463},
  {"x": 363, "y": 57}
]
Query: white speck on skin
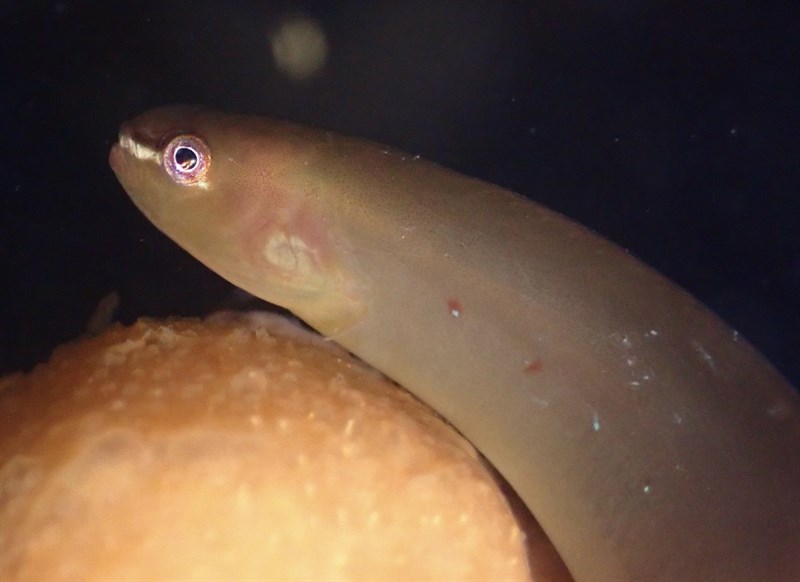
[
  {"x": 698, "y": 347},
  {"x": 779, "y": 410},
  {"x": 455, "y": 312},
  {"x": 651, "y": 333},
  {"x": 677, "y": 418},
  {"x": 646, "y": 489},
  {"x": 541, "y": 402},
  {"x": 631, "y": 360},
  {"x": 595, "y": 422}
]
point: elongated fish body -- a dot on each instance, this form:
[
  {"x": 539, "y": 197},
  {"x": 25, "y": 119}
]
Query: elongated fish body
[{"x": 649, "y": 439}]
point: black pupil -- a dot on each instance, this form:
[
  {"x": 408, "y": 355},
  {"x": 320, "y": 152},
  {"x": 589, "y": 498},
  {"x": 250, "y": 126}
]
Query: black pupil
[{"x": 186, "y": 158}]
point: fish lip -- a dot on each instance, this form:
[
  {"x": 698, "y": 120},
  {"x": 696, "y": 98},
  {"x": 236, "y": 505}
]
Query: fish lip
[{"x": 115, "y": 158}]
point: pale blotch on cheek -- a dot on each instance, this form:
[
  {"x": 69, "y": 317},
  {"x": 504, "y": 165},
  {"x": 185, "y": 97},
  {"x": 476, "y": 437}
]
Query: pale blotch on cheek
[{"x": 290, "y": 254}]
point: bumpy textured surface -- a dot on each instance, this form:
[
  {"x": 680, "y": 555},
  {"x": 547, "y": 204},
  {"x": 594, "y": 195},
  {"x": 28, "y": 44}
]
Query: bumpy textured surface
[{"x": 219, "y": 450}]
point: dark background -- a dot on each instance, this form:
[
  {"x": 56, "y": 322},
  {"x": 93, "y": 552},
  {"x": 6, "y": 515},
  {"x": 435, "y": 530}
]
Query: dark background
[{"x": 672, "y": 128}]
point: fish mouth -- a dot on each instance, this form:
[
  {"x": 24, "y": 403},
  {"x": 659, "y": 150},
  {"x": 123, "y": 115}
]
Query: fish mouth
[{"x": 115, "y": 158}]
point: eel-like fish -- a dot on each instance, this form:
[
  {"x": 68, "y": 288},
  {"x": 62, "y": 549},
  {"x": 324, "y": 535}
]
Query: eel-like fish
[{"x": 650, "y": 440}]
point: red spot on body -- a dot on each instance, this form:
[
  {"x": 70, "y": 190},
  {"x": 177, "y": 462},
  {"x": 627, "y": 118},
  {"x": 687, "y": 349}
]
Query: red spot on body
[
  {"x": 534, "y": 367},
  {"x": 454, "y": 306}
]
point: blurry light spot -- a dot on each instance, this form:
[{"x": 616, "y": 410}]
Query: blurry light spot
[{"x": 299, "y": 47}]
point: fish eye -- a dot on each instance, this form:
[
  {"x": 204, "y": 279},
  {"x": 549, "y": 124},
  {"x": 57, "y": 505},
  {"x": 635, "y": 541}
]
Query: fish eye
[{"x": 187, "y": 159}]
